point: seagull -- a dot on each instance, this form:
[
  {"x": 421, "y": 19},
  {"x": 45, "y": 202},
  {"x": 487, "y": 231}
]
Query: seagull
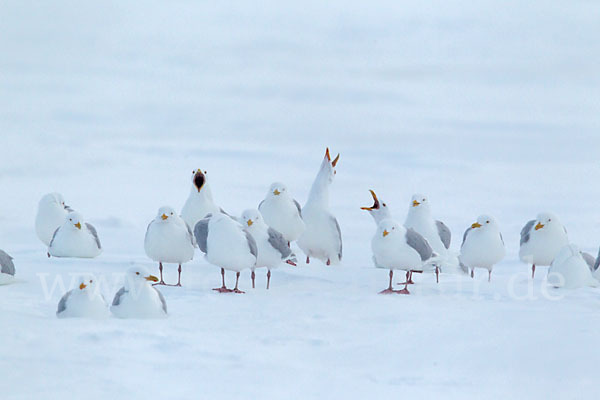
[
  {"x": 482, "y": 245},
  {"x": 169, "y": 240},
  {"x": 541, "y": 240},
  {"x": 138, "y": 298},
  {"x": 200, "y": 201},
  {"x": 51, "y": 214},
  {"x": 226, "y": 245},
  {"x": 395, "y": 247},
  {"x": 85, "y": 301},
  {"x": 570, "y": 270},
  {"x": 7, "y": 268},
  {"x": 322, "y": 237},
  {"x": 272, "y": 247},
  {"x": 75, "y": 238},
  {"x": 419, "y": 218},
  {"x": 282, "y": 212}
]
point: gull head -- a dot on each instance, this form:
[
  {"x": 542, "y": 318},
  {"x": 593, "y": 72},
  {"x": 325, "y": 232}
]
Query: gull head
[
  {"x": 74, "y": 220},
  {"x": 198, "y": 179},
  {"x": 388, "y": 228},
  {"x": 165, "y": 214},
  {"x": 329, "y": 165},
  {"x": 379, "y": 210},
  {"x": 277, "y": 190},
  {"x": 137, "y": 275},
  {"x": 53, "y": 200},
  {"x": 546, "y": 220},
  {"x": 86, "y": 283},
  {"x": 484, "y": 222},
  {"x": 251, "y": 218}
]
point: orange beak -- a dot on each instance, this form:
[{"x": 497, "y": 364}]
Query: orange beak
[
  {"x": 416, "y": 203},
  {"x": 249, "y": 222},
  {"x": 152, "y": 278},
  {"x": 163, "y": 217},
  {"x": 539, "y": 226},
  {"x": 385, "y": 233},
  {"x": 334, "y": 162},
  {"x": 476, "y": 225},
  {"x": 375, "y": 203},
  {"x": 82, "y": 286},
  {"x": 276, "y": 192},
  {"x": 78, "y": 225}
]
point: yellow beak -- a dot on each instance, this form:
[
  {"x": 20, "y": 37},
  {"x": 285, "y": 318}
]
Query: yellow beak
[
  {"x": 152, "y": 278},
  {"x": 249, "y": 222},
  {"x": 385, "y": 233},
  {"x": 276, "y": 192},
  {"x": 78, "y": 225},
  {"x": 539, "y": 226},
  {"x": 476, "y": 225},
  {"x": 82, "y": 286},
  {"x": 416, "y": 203},
  {"x": 164, "y": 217}
]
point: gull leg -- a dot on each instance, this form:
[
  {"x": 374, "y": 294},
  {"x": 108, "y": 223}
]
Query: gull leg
[
  {"x": 48, "y": 253},
  {"x": 408, "y": 280},
  {"x": 161, "y": 282},
  {"x": 489, "y": 275},
  {"x": 179, "y": 276},
  {"x": 532, "y": 271},
  {"x": 437, "y": 274},
  {"x": 389, "y": 290},
  {"x": 328, "y": 262},
  {"x": 237, "y": 278},
  {"x": 405, "y": 290},
  {"x": 473, "y": 272},
  {"x": 253, "y": 275},
  {"x": 223, "y": 289},
  {"x": 268, "y": 278},
  {"x": 307, "y": 259}
]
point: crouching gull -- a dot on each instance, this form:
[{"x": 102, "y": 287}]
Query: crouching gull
[
  {"x": 51, "y": 214},
  {"x": 272, "y": 247},
  {"x": 85, "y": 301},
  {"x": 395, "y": 247},
  {"x": 138, "y": 298},
  {"x": 282, "y": 212},
  {"x": 570, "y": 270},
  {"x": 226, "y": 245},
  {"x": 75, "y": 238},
  {"x": 200, "y": 202},
  {"x": 169, "y": 239},
  {"x": 482, "y": 246},
  {"x": 7, "y": 268},
  {"x": 322, "y": 237},
  {"x": 541, "y": 240}
]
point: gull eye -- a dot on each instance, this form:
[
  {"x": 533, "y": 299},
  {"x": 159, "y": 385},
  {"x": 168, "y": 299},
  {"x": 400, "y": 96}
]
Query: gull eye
[
  {"x": 91, "y": 281},
  {"x": 549, "y": 219},
  {"x": 171, "y": 213},
  {"x": 137, "y": 273},
  {"x": 385, "y": 205},
  {"x": 487, "y": 222},
  {"x": 205, "y": 172}
]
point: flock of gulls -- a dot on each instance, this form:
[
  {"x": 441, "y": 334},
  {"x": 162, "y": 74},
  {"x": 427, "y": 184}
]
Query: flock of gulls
[{"x": 262, "y": 237}]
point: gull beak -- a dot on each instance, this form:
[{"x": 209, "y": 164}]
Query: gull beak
[
  {"x": 416, "y": 203},
  {"x": 82, "y": 286},
  {"x": 385, "y": 233},
  {"x": 249, "y": 222},
  {"x": 476, "y": 225},
  {"x": 327, "y": 156},
  {"x": 539, "y": 226},
  {"x": 164, "y": 217},
  {"x": 152, "y": 278},
  {"x": 276, "y": 192},
  {"x": 335, "y": 160},
  {"x": 78, "y": 225},
  {"x": 375, "y": 203}
]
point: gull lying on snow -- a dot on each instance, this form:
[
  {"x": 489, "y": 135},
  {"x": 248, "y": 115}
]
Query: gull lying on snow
[
  {"x": 7, "y": 268},
  {"x": 138, "y": 298},
  {"x": 200, "y": 202},
  {"x": 282, "y": 212},
  {"x": 75, "y": 238},
  {"x": 84, "y": 301},
  {"x": 272, "y": 247},
  {"x": 395, "y": 247},
  {"x": 541, "y": 240},
  {"x": 570, "y": 270},
  {"x": 226, "y": 245},
  {"x": 169, "y": 239},
  {"x": 322, "y": 237},
  {"x": 482, "y": 246},
  {"x": 51, "y": 214}
]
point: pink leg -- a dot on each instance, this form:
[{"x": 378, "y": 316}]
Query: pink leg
[
  {"x": 161, "y": 282},
  {"x": 307, "y": 259},
  {"x": 237, "y": 278},
  {"x": 328, "y": 261},
  {"x": 473, "y": 273},
  {"x": 437, "y": 274},
  {"x": 389, "y": 290},
  {"x": 405, "y": 290},
  {"x": 489, "y": 276},
  {"x": 532, "y": 271},
  {"x": 253, "y": 275},
  {"x": 48, "y": 253},
  {"x": 268, "y": 278},
  {"x": 223, "y": 289}
]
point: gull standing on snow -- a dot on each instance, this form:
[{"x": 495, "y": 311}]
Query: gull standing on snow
[
  {"x": 200, "y": 202},
  {"x": 75, "y": 238},
  {"x": 570, "y": 270},
  {"x": 226, "y": 245},
  {"x": 7, "y": 268},
  {"x": 482, "y": 245},
  {"x": 169, "y": 239},
  {"x": 272, "y": 247},
  {"x": 138, "y": 298},
  {"x": 282, "y": 212},
  {"x": 419, "y": 218},
  {"x": 541, "y": 240},
  {"x": 51, "y": 214},
  {"x": 395, "y": 247},
  {"x": 322, "y": 237},
  {"x": 85, "y": 301}
]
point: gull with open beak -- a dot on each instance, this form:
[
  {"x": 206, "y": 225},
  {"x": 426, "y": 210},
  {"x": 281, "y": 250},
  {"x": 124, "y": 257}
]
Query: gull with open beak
[
  {"x": 51, "y": 214},
  {"x": 271, "y": 246},
  {"x": 75, "y": 238},
  {"x": 282, "y": 212},
  {"x": 482, "y": 245},
  {"x": 541, "y": 240},
  {"x": 138, "y": 298},
  {"x": 84, "y": 301},
  {"x": 322, "y": 238},
  {"x": 200, "y": 202},
  {"x": 169, "y": 239}
]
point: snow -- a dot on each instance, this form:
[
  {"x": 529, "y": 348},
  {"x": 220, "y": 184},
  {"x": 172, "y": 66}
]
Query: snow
[{"x": 486, "y": 108}]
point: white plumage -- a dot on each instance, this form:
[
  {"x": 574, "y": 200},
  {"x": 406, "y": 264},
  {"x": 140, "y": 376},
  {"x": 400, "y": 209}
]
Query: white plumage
[
  {"x": 138, "y": 298},
  {"x": 282, "y": 212},
  {"x": 75, "y": 238},
  {"x": 569, "y": 270},
  {"x": 51, "y": 214},
  {"x": 200, "y": 201},
  {"x": 541, "y": 240},
  {"x": 169, "y": 239},
  {"x": 482, "y": 245},
  {"x": 84, "y": 301}
]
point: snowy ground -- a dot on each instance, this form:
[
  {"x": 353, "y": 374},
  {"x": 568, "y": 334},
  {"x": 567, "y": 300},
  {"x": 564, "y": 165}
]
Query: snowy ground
[{"x": 486, "y": 107}]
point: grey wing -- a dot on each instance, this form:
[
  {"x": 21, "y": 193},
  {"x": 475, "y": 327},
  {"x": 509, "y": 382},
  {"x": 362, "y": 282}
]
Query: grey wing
[
  {"x": 251, "y": 243},
  {"x": 501, "y": 238},
  {"x": 62, "y": 304},
  {"x": 260, "y": 205},
  {"x": 201, "y": 233},
  {"x": 6, "y": 264},
  {"x": 589, "y": 260},
  {"x": 53, "y": 236},
  {"x": 117, "y": 299},
  {"x": 190, "y": 234},
  {"x": 419, "y": 243},
  {"x": 526, "y": 231},
  {"x": 279, "y": 243},
  {"x": 162, "y": 299},
  {"x": 94, "y": 234},
  {"x": 339, "y": 235},
  {"x": 597, "y": 263},
  {"x": 298, "y": 206},
  {"x": 469, "y": 229},
  {"x": 444, "y": 232}
]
